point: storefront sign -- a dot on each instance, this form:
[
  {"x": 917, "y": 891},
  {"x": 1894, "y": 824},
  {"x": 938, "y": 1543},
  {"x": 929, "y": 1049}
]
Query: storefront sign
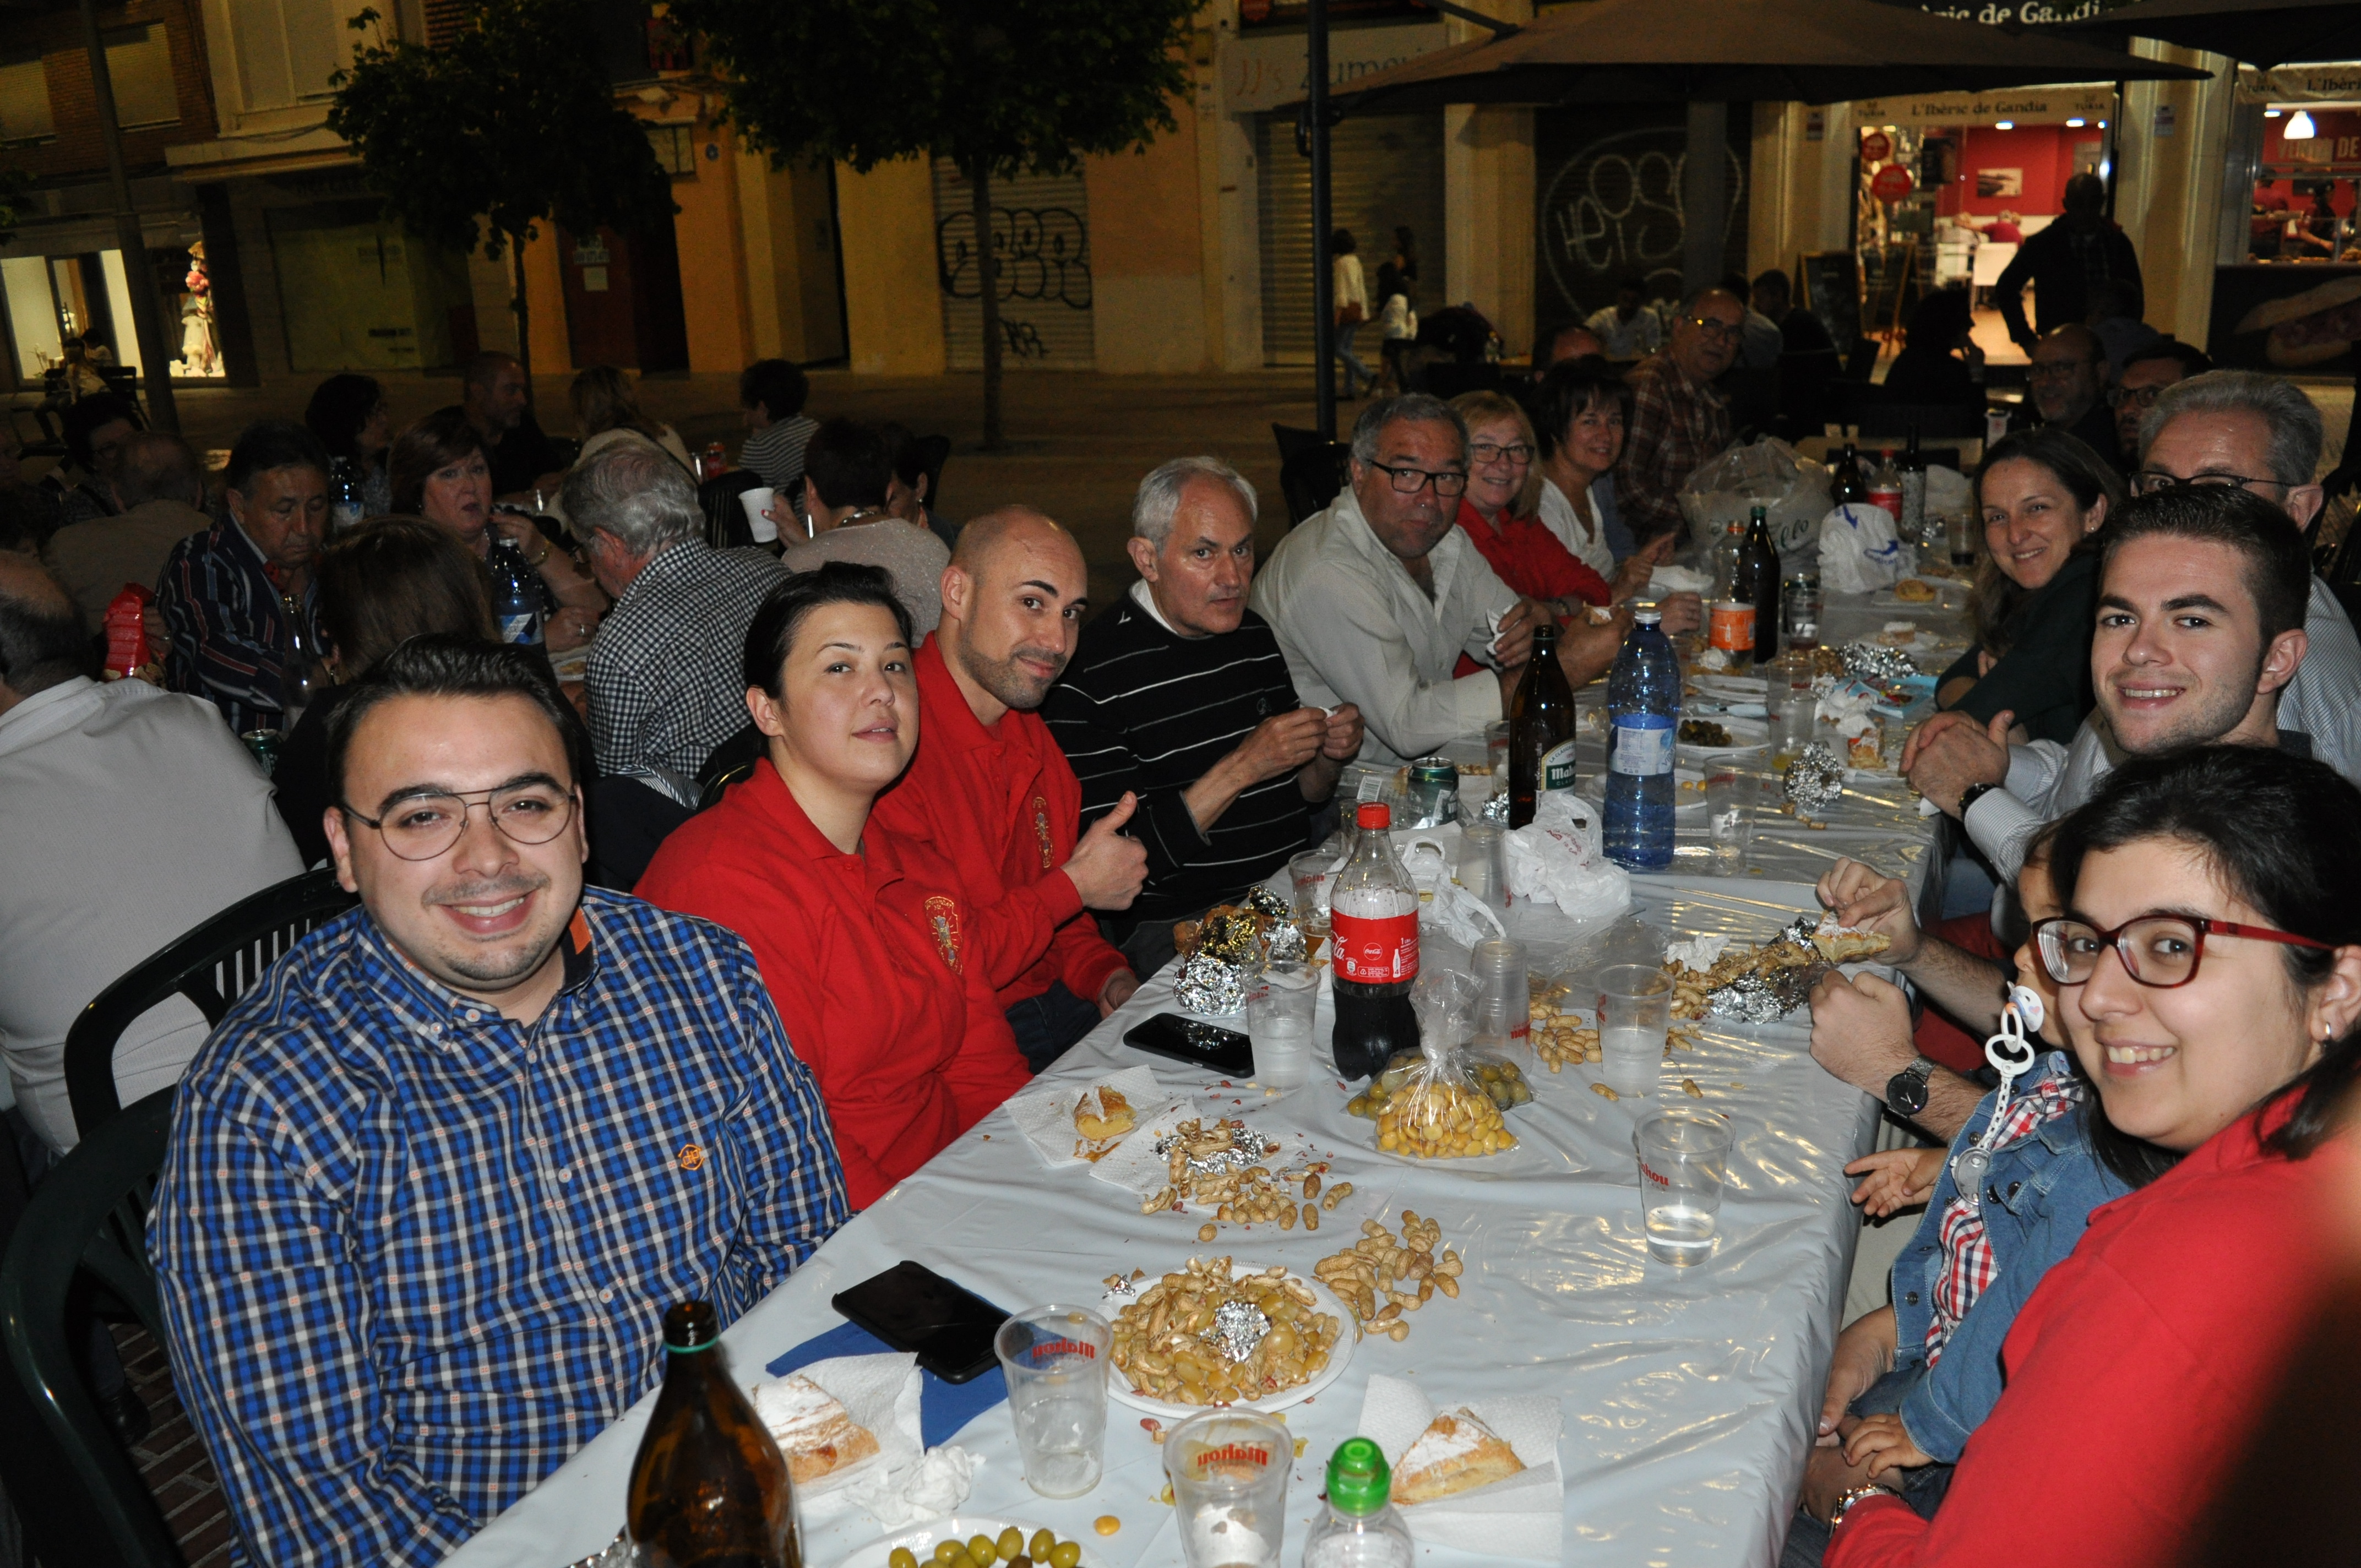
[
  {"x": 2092, "y": 102},
  {"x": 2019, "y": 13},
  {"x": 1267, "y": 71},
  {"x": 1876, "y": 147},
  {"x": 2300, "y": 85},
  {"x": 1891, "y": 183}
]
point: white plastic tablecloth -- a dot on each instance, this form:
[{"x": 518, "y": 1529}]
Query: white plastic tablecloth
[{"x": 1689, "y": 1394}]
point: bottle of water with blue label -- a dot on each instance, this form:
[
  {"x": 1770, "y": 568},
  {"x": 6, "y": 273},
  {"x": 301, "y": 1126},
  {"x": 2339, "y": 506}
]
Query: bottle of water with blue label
[
  {"x": 1643, "y": 706},
  {"x": 516, "y": 592}
]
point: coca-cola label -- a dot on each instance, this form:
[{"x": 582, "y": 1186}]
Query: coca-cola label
[
  {"x": 1890, "y": 500},
  {"x": 1557, "y": 766},
  {"x": 1641, "y": 745},
  {"x": 1375, "y": 949}
]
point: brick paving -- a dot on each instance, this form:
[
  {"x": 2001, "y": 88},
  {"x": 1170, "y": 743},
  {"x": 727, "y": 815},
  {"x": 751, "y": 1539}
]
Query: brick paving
[{"x": 173, "y": 1459}]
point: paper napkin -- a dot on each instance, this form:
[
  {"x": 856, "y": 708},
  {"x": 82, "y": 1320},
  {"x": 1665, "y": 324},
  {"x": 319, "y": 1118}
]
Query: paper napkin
[{"x": 1524, "y": 1516}]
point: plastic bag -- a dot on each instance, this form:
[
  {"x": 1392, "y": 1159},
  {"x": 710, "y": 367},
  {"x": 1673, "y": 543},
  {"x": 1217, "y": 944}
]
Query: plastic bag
[
  {"x": 1442, "y": 1111},
  {"x": 1860, "y": 552},
  {"x": 1560, "y": 857},
  {"x": 1770, "y": 474}
]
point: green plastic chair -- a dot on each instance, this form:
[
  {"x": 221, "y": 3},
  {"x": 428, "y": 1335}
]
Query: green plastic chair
[
  {"x": 213, "y": 966},
  {"x": 84, "y": 1233}
]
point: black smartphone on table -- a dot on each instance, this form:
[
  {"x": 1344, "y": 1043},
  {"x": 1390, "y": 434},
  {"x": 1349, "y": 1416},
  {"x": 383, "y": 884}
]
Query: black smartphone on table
[
  {"x": 1194, "y": 1041},
  {"x": 948, "y": 1327}
]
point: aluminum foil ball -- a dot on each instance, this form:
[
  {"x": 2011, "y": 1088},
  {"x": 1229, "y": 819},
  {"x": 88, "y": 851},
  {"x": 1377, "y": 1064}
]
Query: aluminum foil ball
[
  {"x": 1877, "y": 664},
  {"x": 1815, "y": 779},
  {"x": 1210, "y": 986}
]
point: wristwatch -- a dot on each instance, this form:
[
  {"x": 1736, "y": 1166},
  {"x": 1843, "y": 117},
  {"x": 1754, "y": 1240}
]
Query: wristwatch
[
  {"x": 1905, "y": 1091},
  {"x": 1973, "y": 794},
  {"x": 1845, "y": 1501}
]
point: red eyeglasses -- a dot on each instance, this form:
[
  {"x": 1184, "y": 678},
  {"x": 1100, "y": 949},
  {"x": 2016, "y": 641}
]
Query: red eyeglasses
[{"x": 2159, "y": 951}]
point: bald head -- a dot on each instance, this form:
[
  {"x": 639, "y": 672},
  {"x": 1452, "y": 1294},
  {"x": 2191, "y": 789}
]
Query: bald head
[
  {"x": 2069, "y": 374},
  {"x": 1014, "y": 599},
  {"x": 153, "y": 466},
  {"x": 42, "y": 641}
]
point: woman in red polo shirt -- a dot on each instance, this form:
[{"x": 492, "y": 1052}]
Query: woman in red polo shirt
[
  {"x": 863, "y": 937},
  {"x": 2212, "y": 948}
]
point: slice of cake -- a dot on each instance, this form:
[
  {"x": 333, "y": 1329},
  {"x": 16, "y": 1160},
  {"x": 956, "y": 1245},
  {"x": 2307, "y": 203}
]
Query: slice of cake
[
  {"x": 1844, "y": 944},
  {"x": 1104, "y": 1112},
  {"x": 1457, "y": 1453},
  {"x": 813, "y": 1430}
]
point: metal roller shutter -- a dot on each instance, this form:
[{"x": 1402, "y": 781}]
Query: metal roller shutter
[
  {"x": 1041, "y": 226},
  {"x": 1385, "y": 170}
]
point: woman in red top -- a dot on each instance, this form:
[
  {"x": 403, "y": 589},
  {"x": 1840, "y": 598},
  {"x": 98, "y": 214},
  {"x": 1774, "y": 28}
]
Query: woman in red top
[
  {"x": 863, "y": 937},
  {"x": 2212, "y": 950},
  {"x": 1497, "y": 514}
]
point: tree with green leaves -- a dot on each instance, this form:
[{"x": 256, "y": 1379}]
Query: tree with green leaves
[
  {"x": 996, "y": 86},
  {"x": 477, "y": 142}
]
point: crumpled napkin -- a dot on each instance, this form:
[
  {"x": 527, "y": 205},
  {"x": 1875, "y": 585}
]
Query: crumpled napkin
[
  {"x": 1524, "y": 1516},
  {"x": 1560, "y": 857},
  {"x": 904, "y": 1480},
  {"x": 1046, "y": 1116},
  {"x": 1677, "y": 580},
  {"x": 1846, "y": 703}
]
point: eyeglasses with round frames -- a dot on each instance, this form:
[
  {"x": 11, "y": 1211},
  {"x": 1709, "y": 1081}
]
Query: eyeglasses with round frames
[
  {"x": 1483, "y": 455},
  {"x": 421, "y": 826},
  {"x": 1409, "y": 481},
  {"x": 2161, "y": 951},
  {"x": 2153, "y": 481}
]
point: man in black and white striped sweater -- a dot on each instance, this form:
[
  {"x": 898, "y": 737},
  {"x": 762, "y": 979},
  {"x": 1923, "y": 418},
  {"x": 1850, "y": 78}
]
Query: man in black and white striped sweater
[{"x": 1178, "y": 694}]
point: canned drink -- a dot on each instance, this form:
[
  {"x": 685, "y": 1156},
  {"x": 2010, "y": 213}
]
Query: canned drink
[
  {"x": 1434, "y": 791},
  {"x": 1732, "y": 627},
  {"x": 263, "y": 744}
]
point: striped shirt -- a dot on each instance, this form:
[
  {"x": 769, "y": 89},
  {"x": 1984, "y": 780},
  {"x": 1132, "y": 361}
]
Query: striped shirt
[
  {"x": 229, "y": 624},
  {"x": 1143, "y": 709},
  {"x": 777, "y": 451},
  {"x": 412, "y": 1255}
]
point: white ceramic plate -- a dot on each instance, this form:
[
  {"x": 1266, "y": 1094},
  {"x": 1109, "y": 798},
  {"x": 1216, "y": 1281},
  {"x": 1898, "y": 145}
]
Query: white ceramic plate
[
  {"x": 1947, "y": 595},
  {"x": 921, "y": 1538},
  {"x": 1119, "y": 1386},
  {"x": 1745, "y": 735}
]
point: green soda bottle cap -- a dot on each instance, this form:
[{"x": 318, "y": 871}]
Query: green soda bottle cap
[{"x": 1358, "y": 1481}]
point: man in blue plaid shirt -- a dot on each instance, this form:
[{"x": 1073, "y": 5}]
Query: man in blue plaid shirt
[{"x": 434, "y": 1183}]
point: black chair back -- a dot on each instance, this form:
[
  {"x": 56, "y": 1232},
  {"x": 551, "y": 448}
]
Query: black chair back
[
  {"x": 725, "y": 520},
  {"x": 1448, "y": 379},
  {"x": 1313, "y": 477},
  {"x": 729, "y": 763},
  {"x": 1863, "y": 360},
  {"x": 213, "y": 966},
  {"x": 82, "y": 1236}
]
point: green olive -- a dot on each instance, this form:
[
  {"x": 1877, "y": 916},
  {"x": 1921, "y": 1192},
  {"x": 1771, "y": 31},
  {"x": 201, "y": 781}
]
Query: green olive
[
  {"x": 1065, "y": 1554},
  {"x": 945, "y": 1549},
  {"x": 901, "y": 1557},
  {"x": 981, "y": 1548},
  {"x": 1043, "y": 1544},
  {"x": 1011, "y": 1543}
]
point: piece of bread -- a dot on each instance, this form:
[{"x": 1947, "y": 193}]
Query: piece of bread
[
  {"x": 1104, "y": 1112},
  {"x": 1910, "y": 590},
  {"x": 813, "y": 1430},
  {"x": 1457, "y": 1453},
  {"x": 1843, "y": 944}
]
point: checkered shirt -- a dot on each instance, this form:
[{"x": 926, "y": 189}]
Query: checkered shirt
[
  {"x": 1676, "y": 426},
  {"x": 668, "y": 673},
  {"x": 1968, "y": 1266},
  {"x": 412, "y": 1255}
]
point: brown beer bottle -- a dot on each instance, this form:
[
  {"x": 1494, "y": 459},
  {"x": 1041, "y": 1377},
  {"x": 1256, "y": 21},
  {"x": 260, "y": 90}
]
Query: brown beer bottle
[
  {"x": 1758, "y": 569},
  {"x": 710, "y": 1489},
  {"x": 1540, "y": 729}
]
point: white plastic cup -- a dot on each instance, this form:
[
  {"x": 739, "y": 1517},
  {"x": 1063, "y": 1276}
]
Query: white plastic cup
[
  {"x": 1278, "y": 1024},
  {"x": 1730, "y": 794},
  {"x": 757, "y": 502},
  {"x": 1635, "y": 1011},
  {"x": 1683, "y": 1162},
  {"x": 1504, "y": 1000},
  {"x": 1229, "y": 1488},
  {"x": 1055, "y": 1361}
]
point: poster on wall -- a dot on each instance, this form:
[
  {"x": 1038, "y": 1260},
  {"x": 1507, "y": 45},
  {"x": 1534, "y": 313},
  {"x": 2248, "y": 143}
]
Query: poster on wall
[
  {"x": 1608, "y": 185},
  {"x": 1996, "y": 184}
]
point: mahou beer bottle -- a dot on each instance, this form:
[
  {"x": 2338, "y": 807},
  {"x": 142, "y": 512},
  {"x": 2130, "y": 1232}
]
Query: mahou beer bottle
[
  {"x": 1373, "y": 936},
  {"x": 1758, "y": 573},
  {"x": 710, "y": 1489},
  {"x": 1540, "y": 729}
]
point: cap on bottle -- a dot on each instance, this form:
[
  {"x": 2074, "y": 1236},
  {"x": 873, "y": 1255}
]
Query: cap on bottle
[
  {"x": 691, "y": 1325},
  {"x": 1647, "y": 615},
  {"x": 1358, "y": 1481},
  {"x": 1373, "y": 814}
]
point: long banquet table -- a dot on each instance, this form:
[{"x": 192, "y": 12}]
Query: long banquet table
[{"x": 1688, "y": 1396}]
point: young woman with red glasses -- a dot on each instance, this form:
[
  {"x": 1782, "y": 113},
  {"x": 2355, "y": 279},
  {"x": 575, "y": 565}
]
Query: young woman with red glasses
[{"x": 2212, "y": 953}]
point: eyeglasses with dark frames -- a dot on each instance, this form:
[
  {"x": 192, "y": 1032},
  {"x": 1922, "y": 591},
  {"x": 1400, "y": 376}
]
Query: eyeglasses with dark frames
[
  {"x": 422, "y": 825},
  {"x": 1483, "y": 454},
  {"x": 2153, "y": 481},
  {"x": 1409, "y": 481},
  {"x": 2161, "y": 951}
]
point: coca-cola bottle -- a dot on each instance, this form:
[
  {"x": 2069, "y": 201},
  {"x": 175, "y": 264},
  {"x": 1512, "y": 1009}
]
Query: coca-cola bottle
[
  {"x": 1885, "y": 484},
  {"x": 1373, "y": 938}
]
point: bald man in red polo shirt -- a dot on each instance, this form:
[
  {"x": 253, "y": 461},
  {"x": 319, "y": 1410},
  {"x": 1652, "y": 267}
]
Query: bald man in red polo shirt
[{"x": 993, "y": 795}]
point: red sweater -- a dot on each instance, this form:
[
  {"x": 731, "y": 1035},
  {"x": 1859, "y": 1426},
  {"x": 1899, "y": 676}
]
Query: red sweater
[
  {"x": 2135, "y": 1372},
  {"x": 1002, "y": 805},
  {"x": 1527, "y": 556},
  {"x": 870, "y": 959}
]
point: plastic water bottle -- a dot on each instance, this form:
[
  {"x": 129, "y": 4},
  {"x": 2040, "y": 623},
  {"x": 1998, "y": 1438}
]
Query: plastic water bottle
[
  {"x": 344, "y": 496},
  {"x": 1359, "y": 1528},
  {"x": 1643, "y": 706},
  {"x": 516, "y": 592}
]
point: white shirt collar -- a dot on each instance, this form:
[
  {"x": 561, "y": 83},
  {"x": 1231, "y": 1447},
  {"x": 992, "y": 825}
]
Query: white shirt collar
[{"x": 1146, "y": 601}]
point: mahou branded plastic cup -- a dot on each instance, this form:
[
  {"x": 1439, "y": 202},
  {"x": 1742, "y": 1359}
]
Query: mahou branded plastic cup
[
  {"x": 1229, "y": 1488},
  {"x": 1055, "y": 1361}
]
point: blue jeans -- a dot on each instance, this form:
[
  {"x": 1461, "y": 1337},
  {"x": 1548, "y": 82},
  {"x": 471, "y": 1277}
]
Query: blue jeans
[
  {"x": 1353, "y": 366},
  {"x": 1046, "y": 1025},
  {"x": 1923, "y": 1488}
]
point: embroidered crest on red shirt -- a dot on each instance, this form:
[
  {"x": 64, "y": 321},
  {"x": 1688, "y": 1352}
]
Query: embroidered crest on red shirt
[
  {"x": 942, "y": 917},
  {"x": 1042, "y": 831}
]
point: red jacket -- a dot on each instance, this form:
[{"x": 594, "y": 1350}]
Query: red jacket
[
  {"x": 870, "y": 961},
  {"x": 1003, "y": 806},
  {"x": 1531, "y": 559},
  {"x": 2135, "y": 1373}
]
